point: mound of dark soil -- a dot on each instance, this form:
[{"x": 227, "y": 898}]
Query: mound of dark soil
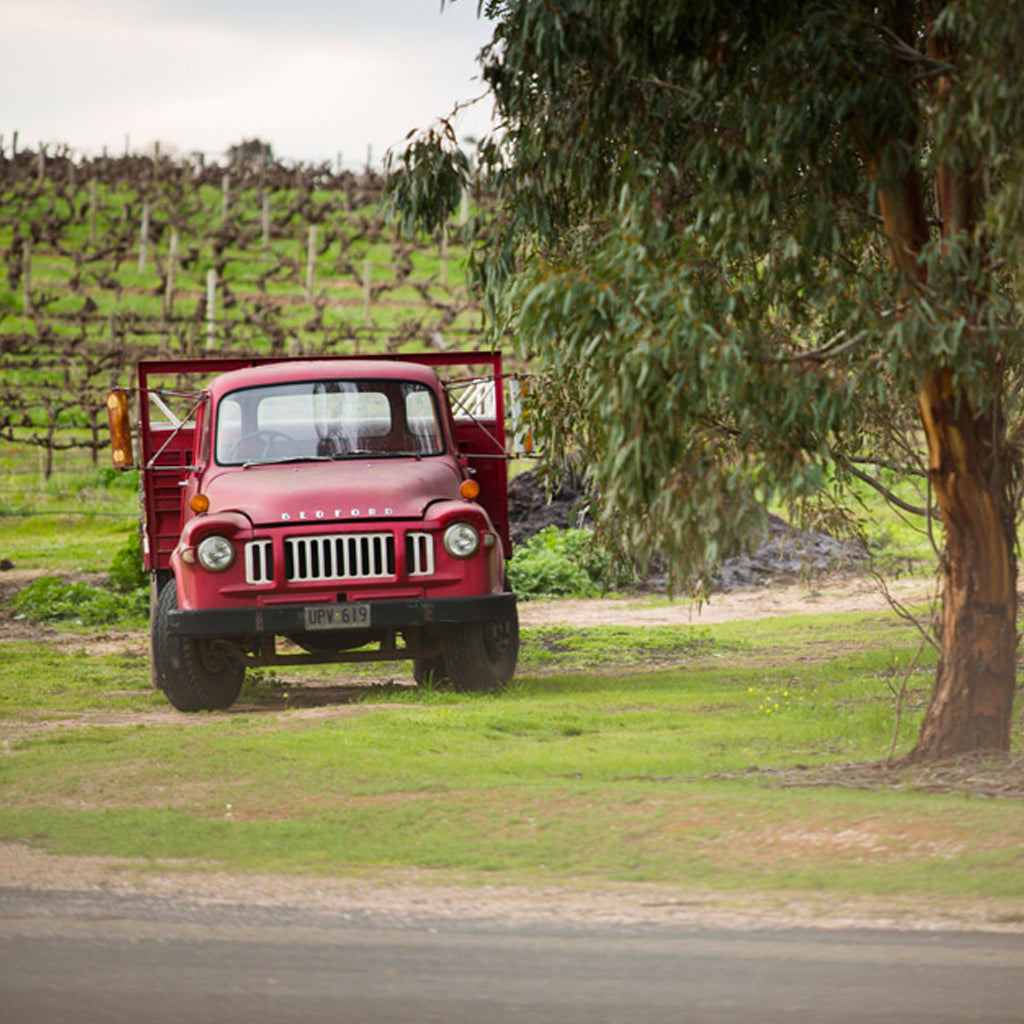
[
  {"x": 787, "y": 553},
  {"x": 531, "y": 508}
]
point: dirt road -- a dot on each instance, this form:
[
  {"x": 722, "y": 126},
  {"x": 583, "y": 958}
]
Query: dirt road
[
  {"x": 106, "y": 957},
  {"x": 841, "y": 594}
]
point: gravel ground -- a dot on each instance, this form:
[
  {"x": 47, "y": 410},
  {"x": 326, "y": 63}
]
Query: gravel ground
[{"x": 413, "y": 896}]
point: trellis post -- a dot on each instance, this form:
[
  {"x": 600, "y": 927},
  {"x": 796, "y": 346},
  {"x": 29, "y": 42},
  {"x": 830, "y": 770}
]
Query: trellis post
[
  {"x": 310, "y": 262},
  {"x": 367, "y": 290},
  {"x": 92, "y": 211},
  {"x": 26, "y": 277},
  {"x": 172, "y": 259},
  {"x": 144, "y": 236},
  {"x": 211, "y": 306}
]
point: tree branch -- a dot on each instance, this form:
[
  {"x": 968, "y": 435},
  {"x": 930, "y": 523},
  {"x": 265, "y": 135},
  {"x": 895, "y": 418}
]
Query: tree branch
[
  {"x": 890, "y": 496},
  {"x": 835, "y": 346},
  {"x": 892, "y": 466},
  {"x": 933, "y": 68},
  {"x": 672, "y": 87}
]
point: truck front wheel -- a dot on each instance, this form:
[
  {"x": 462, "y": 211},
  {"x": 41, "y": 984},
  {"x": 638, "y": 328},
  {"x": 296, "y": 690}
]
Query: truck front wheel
[
  {"x": 482, "y": 655},
  {"x": 195, "y": 674}
]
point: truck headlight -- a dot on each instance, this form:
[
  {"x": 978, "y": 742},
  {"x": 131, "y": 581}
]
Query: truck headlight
[
  {"x": 461, "y": 540},
  {"x": 215, "y": 553}
]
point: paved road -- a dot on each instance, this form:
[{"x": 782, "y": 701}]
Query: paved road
[{"x": 96, "y": 957}]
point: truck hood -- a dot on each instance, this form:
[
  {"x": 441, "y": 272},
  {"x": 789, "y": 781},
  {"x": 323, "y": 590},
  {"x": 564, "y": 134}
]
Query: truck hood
[{"x": 332, "y": 491}]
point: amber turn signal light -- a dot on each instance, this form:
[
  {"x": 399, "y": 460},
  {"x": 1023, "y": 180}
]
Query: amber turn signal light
[
  {"x": 199, "y": 503},
  {"x": 469, "y": 489},
  {"x": 120, "y": 429}
]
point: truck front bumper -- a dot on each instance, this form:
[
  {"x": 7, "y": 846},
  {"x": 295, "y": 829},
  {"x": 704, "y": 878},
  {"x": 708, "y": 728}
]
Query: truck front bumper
[{"x": 290, "y": 619}]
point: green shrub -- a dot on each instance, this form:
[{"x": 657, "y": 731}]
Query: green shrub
[
  {"x": 112, "y": 479},
  {"x": 126, "y": 572},
  {"x": 565, "y": 563},
  {"x": 50, "y": 599}
]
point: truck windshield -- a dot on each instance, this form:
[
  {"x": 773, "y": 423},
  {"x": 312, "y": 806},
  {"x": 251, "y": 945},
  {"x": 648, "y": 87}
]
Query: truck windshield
[{"x": 327, "y": 419}]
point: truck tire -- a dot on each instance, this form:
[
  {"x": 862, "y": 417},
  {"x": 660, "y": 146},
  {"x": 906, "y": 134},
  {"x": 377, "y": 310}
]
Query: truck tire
[
  {"x": 158, "y": 579},
  {"x": 195, "y": 675},
  {"x": 482, "y": 656}
]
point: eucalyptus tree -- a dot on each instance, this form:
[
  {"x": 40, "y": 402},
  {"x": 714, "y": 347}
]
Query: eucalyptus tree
[{"x": 759, "y": 249}]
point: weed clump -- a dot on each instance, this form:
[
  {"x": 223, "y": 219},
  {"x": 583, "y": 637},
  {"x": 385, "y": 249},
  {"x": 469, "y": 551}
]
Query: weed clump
[
  {"x": 126, "y": 574},
  {"x": 565, "y": 563}
]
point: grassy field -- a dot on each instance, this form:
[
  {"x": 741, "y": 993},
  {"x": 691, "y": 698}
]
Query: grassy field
[
  {"x": 682, "y": 757},
  {"x": 677, "y": 756},
  {"x": 74, "y": 521},
  {"x": 594, "y": 769}
]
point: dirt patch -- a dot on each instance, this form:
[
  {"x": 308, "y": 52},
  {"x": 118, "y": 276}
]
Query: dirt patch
[
  {"x": 533, "y": 505},
  {"x": 834, "y": 594},
  {"x": 988, "y": 775}
]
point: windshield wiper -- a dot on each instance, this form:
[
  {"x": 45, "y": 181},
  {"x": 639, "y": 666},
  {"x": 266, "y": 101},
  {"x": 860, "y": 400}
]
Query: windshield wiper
[
  {"x": 358, "y": 453},
  {"x": 287, "y": 458}
]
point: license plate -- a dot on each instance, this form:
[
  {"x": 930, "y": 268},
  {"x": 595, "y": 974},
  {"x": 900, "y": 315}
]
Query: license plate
[{"x": 337, "y": 616}]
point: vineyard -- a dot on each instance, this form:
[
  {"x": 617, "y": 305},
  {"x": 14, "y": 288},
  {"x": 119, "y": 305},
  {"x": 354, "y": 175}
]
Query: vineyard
[{"x": 112, "y": 259}]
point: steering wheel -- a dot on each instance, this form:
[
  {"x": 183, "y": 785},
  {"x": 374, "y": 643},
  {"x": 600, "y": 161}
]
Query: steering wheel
[{"x": 268, "y": 438}]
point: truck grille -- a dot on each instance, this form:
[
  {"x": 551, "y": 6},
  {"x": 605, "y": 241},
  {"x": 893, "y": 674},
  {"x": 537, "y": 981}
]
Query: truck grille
[
  {"x": 259, "y": 561},
  {"x": 339, "y": 556},
  {"x": 419, "y": 554}
]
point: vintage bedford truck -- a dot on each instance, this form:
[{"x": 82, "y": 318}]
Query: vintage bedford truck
[{"x": 321, "y": 510}]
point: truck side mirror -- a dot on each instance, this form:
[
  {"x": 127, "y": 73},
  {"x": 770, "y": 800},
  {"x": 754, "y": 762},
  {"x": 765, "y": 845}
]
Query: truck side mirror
[{"x": 120, "y": 429}]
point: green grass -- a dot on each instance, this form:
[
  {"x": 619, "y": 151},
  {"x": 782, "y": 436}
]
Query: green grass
[
  {"x": 75, "y": 521},
  {"x": 44, "y": 679},
  {"x": 584, "y": 837},
  {"x": 899, "y": 542},
  {"x": 594, "y": 772},
  {"x": 618, "y": 754}
]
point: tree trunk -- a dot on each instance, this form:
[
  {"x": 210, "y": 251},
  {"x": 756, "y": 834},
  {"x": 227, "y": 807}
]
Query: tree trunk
[
  {"x": 971, "y": 473},
  {"x": 970, "y": 467}
]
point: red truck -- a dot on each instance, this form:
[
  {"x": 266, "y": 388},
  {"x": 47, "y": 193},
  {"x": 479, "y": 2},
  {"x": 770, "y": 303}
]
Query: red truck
[{"x": 314, "y": 510}]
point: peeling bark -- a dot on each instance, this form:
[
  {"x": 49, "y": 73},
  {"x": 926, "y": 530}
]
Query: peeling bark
[
  {"x": 971, "y": 469},
  {"x": 972, "y": 700},
  {"x": 971, "y": 472}
]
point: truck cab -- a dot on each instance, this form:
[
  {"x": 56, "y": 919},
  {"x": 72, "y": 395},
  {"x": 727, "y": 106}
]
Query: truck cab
[{"x": 324, "y": 510}]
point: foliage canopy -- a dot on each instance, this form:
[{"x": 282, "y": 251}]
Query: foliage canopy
[
  {"x": 758, "y": 248},
  {"x": 690, "y": 240}
]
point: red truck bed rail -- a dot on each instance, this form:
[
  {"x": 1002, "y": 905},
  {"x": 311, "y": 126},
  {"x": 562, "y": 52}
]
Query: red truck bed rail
[{"x": 167, "y": 434}]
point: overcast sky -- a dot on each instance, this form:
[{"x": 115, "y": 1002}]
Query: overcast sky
[{"x": 311, "y": 77}]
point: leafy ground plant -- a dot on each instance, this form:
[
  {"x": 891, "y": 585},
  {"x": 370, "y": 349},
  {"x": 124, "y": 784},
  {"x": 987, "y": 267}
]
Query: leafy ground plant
[
  {"x": 51, "y": 599},
  {"x": 565, "y": 563},
  {"x": 124, "y": 600}
]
